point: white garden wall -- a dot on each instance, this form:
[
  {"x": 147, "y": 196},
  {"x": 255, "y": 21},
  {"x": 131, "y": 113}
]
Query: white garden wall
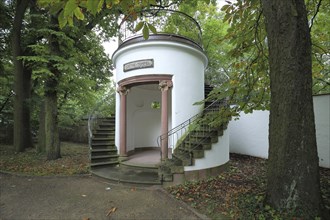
[
  {"x": 322, "y": 126},
  {"x": 249, "y": 134}
]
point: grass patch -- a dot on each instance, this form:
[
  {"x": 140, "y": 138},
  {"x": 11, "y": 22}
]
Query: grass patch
[
  {"x": 238, "y": 193},
  {"x": 75, "y": 160}
]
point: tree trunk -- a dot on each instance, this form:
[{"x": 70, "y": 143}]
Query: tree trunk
[
  {"x": 52, "y": 141},
  {"x": 51, "y": 112},
  {"x": 22, "y": 80},
  {"x": 293, "y": 175},
  {"x": 41, "y": 146},
  {"x": 26, "y": 122}
]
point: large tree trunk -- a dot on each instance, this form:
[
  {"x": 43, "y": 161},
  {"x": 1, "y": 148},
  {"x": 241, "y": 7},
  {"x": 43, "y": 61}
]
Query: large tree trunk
[
  {"x": 51, "y": 109},
  {"x": 26, "y": 122},
  {"x": 41, "y": 146},
  {"x": 52, "y": 141},
  {"x": 293, "y": 175},
  {"x": 22, "y": 87}
]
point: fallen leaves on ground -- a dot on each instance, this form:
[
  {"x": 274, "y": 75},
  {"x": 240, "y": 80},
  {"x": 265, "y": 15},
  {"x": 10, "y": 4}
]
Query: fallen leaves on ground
[
  {"x": 74, "y": 161},
  {"x": 237, "y": 193},
  {"x": 112, "y": 210}
]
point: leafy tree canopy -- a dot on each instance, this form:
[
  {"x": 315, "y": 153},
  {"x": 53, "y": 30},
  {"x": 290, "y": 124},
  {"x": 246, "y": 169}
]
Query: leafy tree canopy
[
  {"x": 234, "y": 39},
  {"x": 248, "y": 86},
  {"x": 86, "y": 69}
]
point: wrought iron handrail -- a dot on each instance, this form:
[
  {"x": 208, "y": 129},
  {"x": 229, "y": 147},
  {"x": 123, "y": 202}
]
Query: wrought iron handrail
[
  {"x": 166, "y": 21},
  {"x": 177, "y": 132}
]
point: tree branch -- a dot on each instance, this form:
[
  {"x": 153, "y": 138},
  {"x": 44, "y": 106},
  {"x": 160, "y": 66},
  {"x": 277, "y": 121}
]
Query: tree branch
[{"x": 316, "y": 12}]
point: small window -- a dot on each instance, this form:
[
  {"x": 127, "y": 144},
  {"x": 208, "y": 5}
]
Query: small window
[{"x": 155, "y": 105}]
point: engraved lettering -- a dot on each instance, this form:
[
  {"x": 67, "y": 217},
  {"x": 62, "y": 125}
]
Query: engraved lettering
[{"x": 139, "y": 64}]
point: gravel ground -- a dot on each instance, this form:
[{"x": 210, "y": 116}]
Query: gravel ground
[{"x": 85, "y": 197}]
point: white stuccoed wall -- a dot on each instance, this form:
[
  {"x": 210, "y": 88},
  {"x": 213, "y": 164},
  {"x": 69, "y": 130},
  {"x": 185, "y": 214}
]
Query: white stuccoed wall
[
  {"x": 217, "y": 156},
  {"x": 322, "y": 126},
  {"x": 249, "y": 134},
  {"x": 145, "y": 121},
  {"x": 184, "y": 62}
]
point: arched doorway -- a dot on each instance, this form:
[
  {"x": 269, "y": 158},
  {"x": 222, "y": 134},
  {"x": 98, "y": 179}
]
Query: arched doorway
[{"x": 140, "y": 123}]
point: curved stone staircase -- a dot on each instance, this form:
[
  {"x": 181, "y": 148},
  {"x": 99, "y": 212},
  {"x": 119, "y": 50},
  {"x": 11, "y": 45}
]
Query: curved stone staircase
[
  {"x": 197, "y": 140},
  {"x": 105, "y": 159},
  {"x": 103, "y": 149}
]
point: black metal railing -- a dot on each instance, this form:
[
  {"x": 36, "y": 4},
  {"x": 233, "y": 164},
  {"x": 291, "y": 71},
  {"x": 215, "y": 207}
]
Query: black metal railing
[
  {"x": 180, "y": 132},
  {"x": 165, "y": 21}
]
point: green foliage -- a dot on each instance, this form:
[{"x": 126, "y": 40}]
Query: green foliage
[
  {"x": 248, "y": 85},
  {"x": 85, "y": 68},
  {"x": 68, "y": 10},
  {"x": 238, "y": 55},
  {"x": 6, "y": 65},
  {"x": 238, "y": 65},
  {"x": 319, "y": 19}
]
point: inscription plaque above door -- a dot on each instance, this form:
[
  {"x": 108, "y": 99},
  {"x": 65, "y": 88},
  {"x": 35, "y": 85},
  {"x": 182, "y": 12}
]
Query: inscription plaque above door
[{"x": 139, "y": 64}]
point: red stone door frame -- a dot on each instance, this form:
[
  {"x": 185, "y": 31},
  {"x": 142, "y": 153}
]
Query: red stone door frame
[{"x": 165, "y": 83}]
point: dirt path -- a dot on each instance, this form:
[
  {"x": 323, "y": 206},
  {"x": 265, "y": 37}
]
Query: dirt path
[{"x": 85, "y": 197}]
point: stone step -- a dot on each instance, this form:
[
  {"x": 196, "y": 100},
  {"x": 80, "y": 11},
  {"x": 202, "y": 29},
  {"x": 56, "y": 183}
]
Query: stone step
[
  {"x": 196, "y": 140},
  {"x": 103, "y": 134},
  {"x": 103, "y": 139},
  {"x": 165, "y": 174},
  {"x": 197, "y": 154},
  {"x": 203, "y": 133},
  {"x": 108, "y": 125},
  {"x": 204, "y": 140},
  {"x": 189, "y": 148},
  {"x": 111, "y": 163},
  {"x": 101, "y": 147},
  {"x": 202, "y": 145},
  {"x": 105, "y": 130},
  {"x": 103, "y": 144},
  {"x": 184, "y": 157},
  {"x": 127, "y": 175},
  {"x": 110, "y": 120},
  {"x": 171, "y": 166},
  {"x": 205, "y": 128},
  {"x": 139, "y": 166},
  {"x": 103, "y": 159},
  {"x": 105, "y": 156},
  {"x": 103, "y": 151}
]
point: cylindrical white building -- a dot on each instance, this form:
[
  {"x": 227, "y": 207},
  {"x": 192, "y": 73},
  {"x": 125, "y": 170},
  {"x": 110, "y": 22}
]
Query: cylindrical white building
[
  {"x": 140, "y": 67},
  {"x": 159, "y": 80}
]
